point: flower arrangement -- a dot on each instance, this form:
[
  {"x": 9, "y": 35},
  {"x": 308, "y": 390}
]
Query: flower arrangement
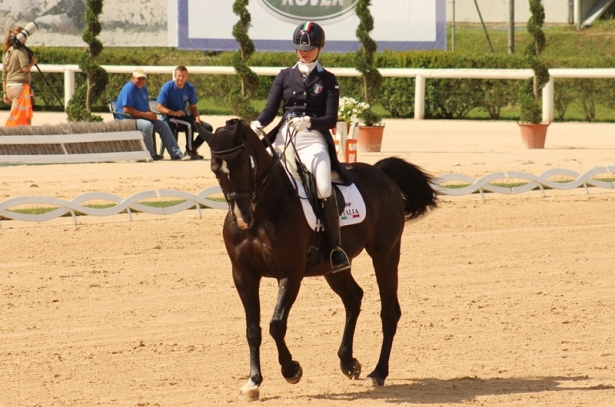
[{"x": 350, "y": 110}]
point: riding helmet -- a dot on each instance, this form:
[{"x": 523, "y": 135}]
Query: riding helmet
[{"x": 308, "y": 36}]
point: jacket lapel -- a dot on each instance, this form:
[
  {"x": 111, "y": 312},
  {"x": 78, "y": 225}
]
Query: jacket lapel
[{"x": 296, "y": 78}]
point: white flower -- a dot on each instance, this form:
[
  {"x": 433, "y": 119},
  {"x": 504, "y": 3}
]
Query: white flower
[{"x": 350, "y": 109}]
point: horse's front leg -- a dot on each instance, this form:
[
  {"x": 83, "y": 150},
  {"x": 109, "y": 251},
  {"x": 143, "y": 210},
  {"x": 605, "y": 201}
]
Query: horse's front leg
[
  {"x": 288, "y": 289},
  {"x": 247, "y": 286},
  {"x": 344, "y": 285}
]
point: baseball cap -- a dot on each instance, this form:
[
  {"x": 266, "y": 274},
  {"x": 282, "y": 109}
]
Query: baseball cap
[{"x": 139, "y": 73}]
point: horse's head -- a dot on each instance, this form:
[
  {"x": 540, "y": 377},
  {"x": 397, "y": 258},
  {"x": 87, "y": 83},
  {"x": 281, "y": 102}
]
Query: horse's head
[{"x": 235, "y": 151}]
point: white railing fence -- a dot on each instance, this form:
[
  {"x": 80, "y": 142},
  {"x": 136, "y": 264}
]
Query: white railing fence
[
  {"x": 484, "y": 184},
  {"x": 420, "y": 75}
]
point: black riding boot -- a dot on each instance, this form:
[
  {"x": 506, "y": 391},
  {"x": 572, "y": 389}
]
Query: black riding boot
[{"x": 339, "y": 259}]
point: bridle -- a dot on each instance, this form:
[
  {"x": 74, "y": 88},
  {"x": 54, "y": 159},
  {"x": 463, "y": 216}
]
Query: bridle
[
  {"x": 255, "y": 191},
  {"x": 230, "y": 154}
]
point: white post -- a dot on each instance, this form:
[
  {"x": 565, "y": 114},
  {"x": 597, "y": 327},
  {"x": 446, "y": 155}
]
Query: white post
[
  {"x": 578, "y": 18},
  {"x": 548, "y": 92},
  {"x": 341, "y": 139},
  {"x": 69, "y": 84},
  {"x": 419, "y": 97}
]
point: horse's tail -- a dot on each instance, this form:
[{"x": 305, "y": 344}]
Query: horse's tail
[{"x": 416, "y": 185}]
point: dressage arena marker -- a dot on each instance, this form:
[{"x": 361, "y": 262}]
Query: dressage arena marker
[
  {"x": 345, "y": 143},
  {"x": 132, "y": 203}
]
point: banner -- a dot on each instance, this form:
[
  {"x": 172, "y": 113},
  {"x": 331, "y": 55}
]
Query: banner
[
  {"x": 142, "y": 23},
  {"x": 208, "y": 24},
  {"x": 398, "y": 24}
]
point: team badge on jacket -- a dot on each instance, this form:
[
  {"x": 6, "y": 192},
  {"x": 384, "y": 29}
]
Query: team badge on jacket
[{"x": 318, "y": 88}]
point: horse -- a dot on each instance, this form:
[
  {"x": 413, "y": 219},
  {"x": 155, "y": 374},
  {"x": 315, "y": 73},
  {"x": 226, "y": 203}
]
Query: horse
[{"x": 267, "y": 236}]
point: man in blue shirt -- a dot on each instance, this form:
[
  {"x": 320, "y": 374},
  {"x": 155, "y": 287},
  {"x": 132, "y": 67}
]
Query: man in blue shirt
[
  {"x": 134, "y": 100},
  {"x": 173, "y": 99}
]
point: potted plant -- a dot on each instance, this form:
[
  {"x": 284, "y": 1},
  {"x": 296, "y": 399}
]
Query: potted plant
[
  {"x": 533, "y": 131},
  {"x": 370, "y": 135},
  {"x": 349, "y": 111}
]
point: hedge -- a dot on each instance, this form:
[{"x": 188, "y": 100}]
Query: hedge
[{"x": 445, "y": 98}]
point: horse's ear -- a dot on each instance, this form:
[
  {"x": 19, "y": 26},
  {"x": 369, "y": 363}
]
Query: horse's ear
[
  {"x": 238, "y": 129},
  {"x": 232, "y": 123},
  {"x": 229, "y": 127}
]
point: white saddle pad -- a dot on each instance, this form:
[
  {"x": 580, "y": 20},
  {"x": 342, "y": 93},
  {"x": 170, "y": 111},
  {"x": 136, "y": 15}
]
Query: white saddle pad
[{"x": 354, "y": 210}]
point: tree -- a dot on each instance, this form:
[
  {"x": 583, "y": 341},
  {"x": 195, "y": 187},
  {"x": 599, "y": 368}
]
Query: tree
[
  {"x": 529, "y": 93},
  {"x": 79, "y": 106},
  {"x": 365, "y": 61},
  {"x": 247, "y": 84}
]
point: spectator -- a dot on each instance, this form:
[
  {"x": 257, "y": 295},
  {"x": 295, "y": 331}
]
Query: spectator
[
  {"x": 134, "y": 100},
  {"x": 173, "y": 99},
  {"x": 16, "y": 66}
]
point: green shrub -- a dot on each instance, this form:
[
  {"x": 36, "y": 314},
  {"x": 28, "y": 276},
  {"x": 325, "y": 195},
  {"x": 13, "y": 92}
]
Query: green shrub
[{"x": 397, "y": 94}]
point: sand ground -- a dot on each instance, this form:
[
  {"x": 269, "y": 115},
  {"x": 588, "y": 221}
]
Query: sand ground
[{"x": 506, "y": 301}]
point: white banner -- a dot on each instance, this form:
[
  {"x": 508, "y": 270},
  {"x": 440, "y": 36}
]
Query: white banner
[
  {"x": 208, "y": 24},
  {"x": 398, "y": 24}
]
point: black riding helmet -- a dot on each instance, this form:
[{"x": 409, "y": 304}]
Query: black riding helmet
[{"x": 308, "y": 36}]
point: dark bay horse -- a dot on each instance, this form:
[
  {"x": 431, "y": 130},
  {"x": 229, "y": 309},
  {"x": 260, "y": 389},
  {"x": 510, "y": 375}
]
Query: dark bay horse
[{"x": 266, "y": 235}]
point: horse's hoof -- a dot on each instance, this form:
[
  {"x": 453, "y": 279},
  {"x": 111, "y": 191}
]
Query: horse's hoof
[
  {"x": 351, "y": 370},
  {"x": 294, "y": 379},
  {"x": 374, "y": 382},
  {"x": 249, "y": 392}
]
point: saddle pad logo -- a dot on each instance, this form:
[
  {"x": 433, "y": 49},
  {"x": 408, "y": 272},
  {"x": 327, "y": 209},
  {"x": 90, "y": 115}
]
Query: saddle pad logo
[
  {"x": 318, "y": 88},
  {"x": 350, "y": 212}
]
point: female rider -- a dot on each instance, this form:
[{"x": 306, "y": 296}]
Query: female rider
[{"x": 311, "y": 94}]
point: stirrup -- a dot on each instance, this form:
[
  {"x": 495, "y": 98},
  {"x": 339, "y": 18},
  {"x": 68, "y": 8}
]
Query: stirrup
[{"x": 342, "y": 263}]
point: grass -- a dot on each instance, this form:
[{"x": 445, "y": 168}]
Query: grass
[{"x": 563, "y": 41}]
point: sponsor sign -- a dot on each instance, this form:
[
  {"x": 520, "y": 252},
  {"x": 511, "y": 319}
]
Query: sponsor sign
[
  {"x": 398, "y": 24},
  {"x": 312, "y": 10}
]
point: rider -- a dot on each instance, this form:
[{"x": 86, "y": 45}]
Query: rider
[{"x": 310, "y": 93}]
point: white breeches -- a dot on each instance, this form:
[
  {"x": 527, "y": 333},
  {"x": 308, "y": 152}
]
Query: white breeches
[{"x": 314, "y": 154}]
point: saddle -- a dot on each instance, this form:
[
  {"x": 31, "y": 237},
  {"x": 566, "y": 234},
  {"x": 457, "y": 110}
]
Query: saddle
[{"x": 314, "y": 253}]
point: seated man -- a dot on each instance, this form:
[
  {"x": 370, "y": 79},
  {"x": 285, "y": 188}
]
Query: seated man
[
  {"x": 134, "y": 100},
  {"x": 172, "y": 100}
]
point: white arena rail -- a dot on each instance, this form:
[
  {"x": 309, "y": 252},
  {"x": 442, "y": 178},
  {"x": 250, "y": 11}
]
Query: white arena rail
[
  {"x": 420, "y": 75},
  {"x": 132, "y": 203}
]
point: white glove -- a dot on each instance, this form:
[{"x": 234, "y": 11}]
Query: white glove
[
  {"x": 301, "y": 123},
  {"x": 257, "y": 127}
]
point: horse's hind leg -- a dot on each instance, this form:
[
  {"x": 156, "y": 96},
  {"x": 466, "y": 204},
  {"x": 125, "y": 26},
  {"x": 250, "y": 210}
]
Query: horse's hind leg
[
  {"x": 385, "y": 263},
  {"x": 288, "y": 289},
  {"x": 351, "y": 294}
]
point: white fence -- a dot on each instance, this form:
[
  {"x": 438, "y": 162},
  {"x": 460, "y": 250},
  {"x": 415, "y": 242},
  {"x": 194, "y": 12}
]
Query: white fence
[
  {"x": 488, "y": 183},
  {"x": 420, "y": 75}
]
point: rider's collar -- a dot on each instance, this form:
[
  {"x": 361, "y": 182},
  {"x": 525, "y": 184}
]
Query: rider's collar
[{"x": 306, "y": 69}]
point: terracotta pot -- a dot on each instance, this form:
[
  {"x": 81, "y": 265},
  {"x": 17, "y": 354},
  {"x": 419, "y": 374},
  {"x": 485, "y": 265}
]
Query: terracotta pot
[
  {"x": 370, "y": 138},
  {"x": 533, "y": 135}
]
